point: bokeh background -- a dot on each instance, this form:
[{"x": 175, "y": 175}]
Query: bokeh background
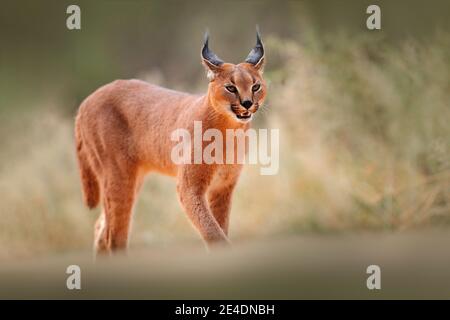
[{"x": 363, "y": 115}]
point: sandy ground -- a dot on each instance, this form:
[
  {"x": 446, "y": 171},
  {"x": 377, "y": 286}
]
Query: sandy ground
[{"x": 413, "y": 265}]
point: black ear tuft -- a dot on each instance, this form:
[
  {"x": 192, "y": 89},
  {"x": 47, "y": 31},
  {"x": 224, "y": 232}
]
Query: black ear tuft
[
  {"x": 257, "y": 52},
  {"x": 208, "y": 55}
]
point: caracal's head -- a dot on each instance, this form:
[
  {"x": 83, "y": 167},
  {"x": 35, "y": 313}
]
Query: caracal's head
[{"x": 236, "y": 90}]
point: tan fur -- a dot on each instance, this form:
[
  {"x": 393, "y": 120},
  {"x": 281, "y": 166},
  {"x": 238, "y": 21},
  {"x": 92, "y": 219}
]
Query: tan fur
[{"x": 123, "y": 132}]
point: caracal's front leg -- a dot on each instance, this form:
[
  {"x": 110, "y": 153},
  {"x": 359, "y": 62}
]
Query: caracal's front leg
[
  {"x": 220, "y": 194},
  {"x": 192, "y": 183}
]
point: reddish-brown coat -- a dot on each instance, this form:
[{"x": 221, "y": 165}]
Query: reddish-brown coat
[{"x": 123, "y": 132}]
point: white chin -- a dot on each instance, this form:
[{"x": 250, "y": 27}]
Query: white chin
[{"x": 244, "y": 120}]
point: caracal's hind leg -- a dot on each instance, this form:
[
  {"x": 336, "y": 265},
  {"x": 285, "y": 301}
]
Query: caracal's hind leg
[
  {"x": 119, "y": 195},
  {"x": 100, "y": 240}
]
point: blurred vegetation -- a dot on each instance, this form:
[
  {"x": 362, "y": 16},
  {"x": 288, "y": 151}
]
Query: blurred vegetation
[{"x": 363, "y": 115}]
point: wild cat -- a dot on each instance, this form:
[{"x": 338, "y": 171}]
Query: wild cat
[{"x": 123, "y": 132}]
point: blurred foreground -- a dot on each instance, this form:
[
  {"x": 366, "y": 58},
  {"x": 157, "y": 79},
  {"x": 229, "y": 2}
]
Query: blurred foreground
[{"x": 413, "y": 265}]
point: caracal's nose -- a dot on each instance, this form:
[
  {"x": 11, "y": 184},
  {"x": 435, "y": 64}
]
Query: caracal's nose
[{"x": 247, "y": 104}]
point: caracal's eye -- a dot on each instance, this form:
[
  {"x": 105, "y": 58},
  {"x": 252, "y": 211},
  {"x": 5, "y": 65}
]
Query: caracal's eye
[
  {"x": 231, "y": 88},
  {"x": 256, "y": 87}
]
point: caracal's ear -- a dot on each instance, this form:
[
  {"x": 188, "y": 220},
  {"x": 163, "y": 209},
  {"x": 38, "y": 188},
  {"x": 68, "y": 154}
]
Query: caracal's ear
[
  {"x": 210, "y": 60},
  {"x": 256, "y": 56}
]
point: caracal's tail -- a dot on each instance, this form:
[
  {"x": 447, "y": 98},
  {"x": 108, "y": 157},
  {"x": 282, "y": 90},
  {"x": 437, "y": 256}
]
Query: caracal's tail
[{"x": 91, "y": 189}]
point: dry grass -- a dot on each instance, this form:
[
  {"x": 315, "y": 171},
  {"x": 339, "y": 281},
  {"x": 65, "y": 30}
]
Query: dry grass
[{"x": 365, "y": 144}]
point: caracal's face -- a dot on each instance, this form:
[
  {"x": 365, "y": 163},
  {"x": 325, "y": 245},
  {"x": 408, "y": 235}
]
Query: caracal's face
[{"x": 237, "y": 91}]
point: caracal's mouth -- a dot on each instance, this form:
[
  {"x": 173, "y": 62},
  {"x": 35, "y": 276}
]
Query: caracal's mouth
[{"x": 244, "y": 116}]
